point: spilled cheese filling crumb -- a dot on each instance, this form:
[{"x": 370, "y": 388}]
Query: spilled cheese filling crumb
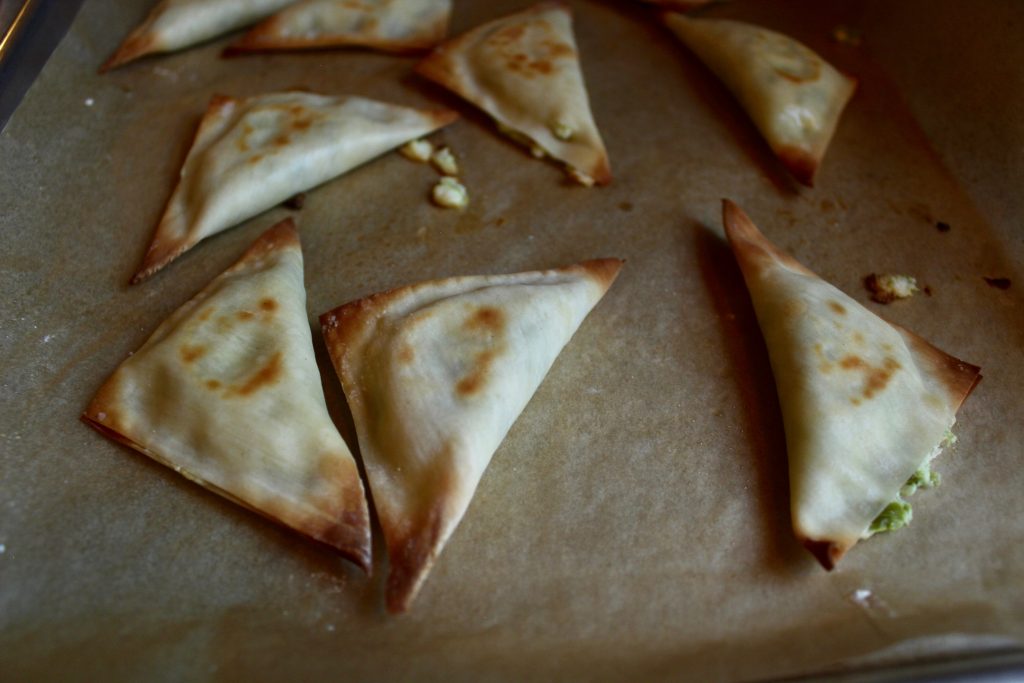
[
  {"x": 560, "y": 131},
  {"x": 444, "y": 161},
  {"x": 417, "y": 150},
  {"x": 898, "y": 513},
  {"x": 887, "y": 288},
  {"x": 450, "y": 193}
]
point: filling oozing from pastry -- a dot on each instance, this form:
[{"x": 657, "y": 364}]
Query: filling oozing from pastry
[{"x": 898, "y": 513}]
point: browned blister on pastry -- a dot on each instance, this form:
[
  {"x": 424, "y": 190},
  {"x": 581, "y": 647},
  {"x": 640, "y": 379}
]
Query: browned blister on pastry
[
  {"x": 866, "y": 404},
  {"x": 227, "y": 393},
  {"x": 524, "y": 71},
  {"x": 792, "y": 95},
  {"x": 176, "y": 24},
  {"x": 388, "y": 25},
  {"x": 251, "y": 154},
  {"x": 435, "y": 375}
]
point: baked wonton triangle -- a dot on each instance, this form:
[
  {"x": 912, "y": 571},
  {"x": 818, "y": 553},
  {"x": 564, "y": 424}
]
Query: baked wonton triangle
[
  {"x": 792, "y": 95},
  {"x": 389, "y": 25},
  {"x": 435, "y": 375},
  {"x": 524, "y": 71},
  {"x": 865, "y": 403},
  {"x": 177, "y": 24},
  {"x": 227, "y": 392},
  {"x": 252, "y": 154}
]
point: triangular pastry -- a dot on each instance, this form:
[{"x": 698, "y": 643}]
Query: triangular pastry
[
  {"x": 524, "y": 71},
  {"x": 865, "y": 403},
  {"x": 253, "y": 153},
  {"x": 227, "y": 393},
  {"x": 176, "y": 24},
  {"x": 435, "y": 375},
  {"x": 388, "y": 25},
  {"x": 792, "y": 95}
]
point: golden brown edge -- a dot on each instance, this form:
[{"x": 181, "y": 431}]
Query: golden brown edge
[
  {"x": 601, "y": 172},
  {"x": 411, "y": 556},
  {"x": 158, "y": 255},
  {"x": 139, "y": 42},
  {"x": 753, "y": 250},
  {"x": 958, "y": 377},
  {"x": 603, "y": 270},
  {"x": 130, "y": 50},
  {"x": 440, "y": 118},
  {"x": 827, "y": 553},
  {"x": 349, "y": 537},
  {"x": 802, "y": 164}
]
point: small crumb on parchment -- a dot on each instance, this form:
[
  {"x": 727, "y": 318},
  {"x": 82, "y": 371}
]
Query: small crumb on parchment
[
  {"x": 450, "y": 193},
  {"x": 444, "y": 161},
  {"x": 580, "y": 177},
  {"x": 887, "y": 288},
  {"x": 417, "y": 150}
]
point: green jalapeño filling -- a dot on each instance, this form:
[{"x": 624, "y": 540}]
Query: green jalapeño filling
[{"x": 898, "y": 513}]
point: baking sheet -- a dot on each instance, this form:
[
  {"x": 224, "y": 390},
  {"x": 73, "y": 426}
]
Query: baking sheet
[{"x": 634, "y": 523}]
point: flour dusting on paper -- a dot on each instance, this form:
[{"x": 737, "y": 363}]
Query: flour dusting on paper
[{"x": 867, "y": 600}]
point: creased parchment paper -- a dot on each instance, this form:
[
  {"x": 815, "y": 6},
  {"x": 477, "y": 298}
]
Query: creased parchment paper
[{"x": 634, "y": 525}]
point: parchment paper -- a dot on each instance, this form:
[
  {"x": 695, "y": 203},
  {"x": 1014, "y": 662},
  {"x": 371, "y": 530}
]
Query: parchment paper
[{"x": 634, "y": 524}]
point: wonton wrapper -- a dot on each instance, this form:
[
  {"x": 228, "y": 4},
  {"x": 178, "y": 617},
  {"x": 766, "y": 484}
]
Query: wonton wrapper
[
  {"x": 524, "y": 71},
  {"x": 177, "y": 24},
  {"x": 793, "y": 96},
  {"x": 864, "y": 402},
  {"x": 227, "y": 392},
  {"x": 435, "y": 375},
  {"x": 389, "y": 25},
  {"x": 251, "y": 154}
]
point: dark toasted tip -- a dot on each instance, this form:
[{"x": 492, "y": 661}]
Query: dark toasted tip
[
  {"x": 825, "y": 552},
  {"x": 801, "y": 164}
]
